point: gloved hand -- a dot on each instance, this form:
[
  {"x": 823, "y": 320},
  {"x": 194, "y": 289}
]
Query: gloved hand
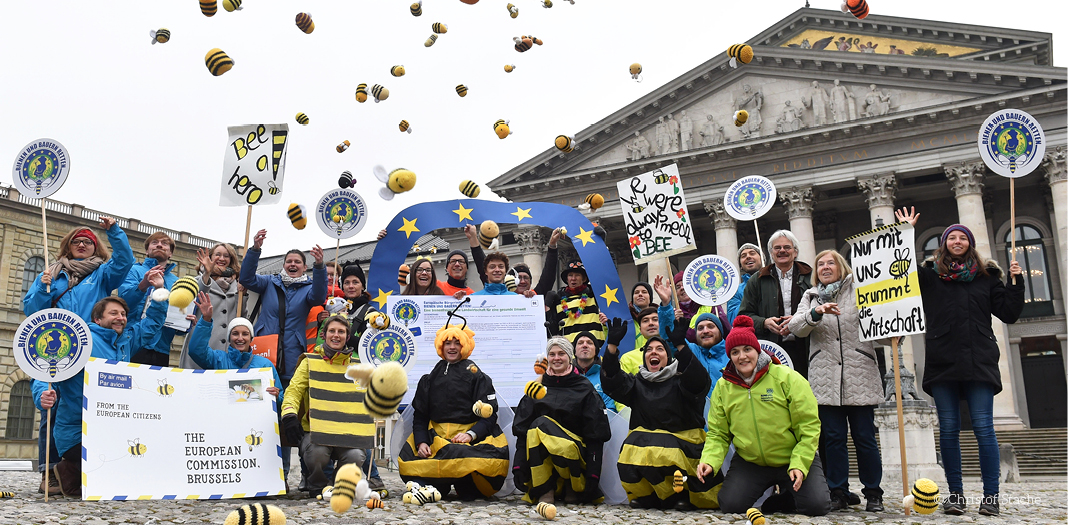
[
  {"x": 617, "y": 330},
  {"x": 678, "y": 333},
  {"x": 291, "y": 426}
]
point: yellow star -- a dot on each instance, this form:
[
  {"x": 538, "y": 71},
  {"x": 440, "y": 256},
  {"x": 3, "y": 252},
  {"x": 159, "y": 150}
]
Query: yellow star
[
  {"x": 382, "y": 297},
  {"x": 609, "y": 295},
  {"x": 463, "y": 212},
  {"x": 520, "y": 213},
  {"x": 408, "y": 228},
  {"x": 585, "y": 236}
]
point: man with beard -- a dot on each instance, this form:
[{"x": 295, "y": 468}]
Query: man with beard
[
  {"x": 158, "y": 250},
  {"x": 750, "y": 260}
]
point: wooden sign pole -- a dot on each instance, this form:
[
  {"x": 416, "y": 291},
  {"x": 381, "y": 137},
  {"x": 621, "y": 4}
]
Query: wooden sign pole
[
  {"x": 44, "y": 231},
  {"x": 48, "y": 446},
  {"x": 1012, "y": 219},
  {"x": 244, "y": 251},
  {"x": 900, "y": 423}
]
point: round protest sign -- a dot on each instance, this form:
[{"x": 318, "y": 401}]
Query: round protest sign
[
  {"x": 749, "y": 197},
  {"x": 52, "y": 345},
  {"x": 710, "y": 280},
  {"x": 341, "y": 213},
  {"x": 395, "y": 343},
  {"x": 41, "y": 168},
  {"x": 776, "y": 351},
  {"x": 1011, "y": 143}
]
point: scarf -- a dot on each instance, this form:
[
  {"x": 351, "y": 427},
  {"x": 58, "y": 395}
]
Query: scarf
[
  {"x": 829, "y": 291},
  {"x": 963, "y": 272},
  {"x": 458, "y": 283},
  {"x": 288, "y": 281},
  {"x": 549, "y": 371},
  {"x": 763, "y": 359},
  {"x": 76, "y": 269},
  {"x": 661, "y": 375}
]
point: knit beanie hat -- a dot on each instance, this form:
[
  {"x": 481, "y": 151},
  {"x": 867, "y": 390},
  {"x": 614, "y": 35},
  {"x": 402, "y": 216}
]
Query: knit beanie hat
[
  {"x": 959, "y": 228},
  {"x": 648, "y": 289},
  {"x": 708, "y": 316},
  {"x": 564, "y": 345},
  {"x": 678, "y": 278},
  {"x": 748, "y": 246},
  {"x": 354, "y": 270},
  {"x": 240, "y": 321},
  {"x": 461, "y": 253},
  {"x": 522, "y": 268},
  {"x": 742, "y": 334},
  {"x": 670, "y": 348}
]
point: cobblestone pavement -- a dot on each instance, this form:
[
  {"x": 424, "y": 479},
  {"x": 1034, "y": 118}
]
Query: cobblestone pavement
[{"x": 1038, "y": 502}]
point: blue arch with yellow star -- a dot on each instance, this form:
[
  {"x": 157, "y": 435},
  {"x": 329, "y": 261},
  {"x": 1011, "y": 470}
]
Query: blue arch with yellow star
[{"x": 417, "y": 220}]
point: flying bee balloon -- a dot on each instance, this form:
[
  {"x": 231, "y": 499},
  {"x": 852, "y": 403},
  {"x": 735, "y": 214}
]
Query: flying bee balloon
[
  {"x": 379, "y": 92},
  {"x": 501, "y": 128},
  {"x": 209, "y": 7},
  {"x": 397, "y": 181},
  {"x": 470, "y": 189},
  {"x": 397, "y": 71},
  {"x": 461, "y": 90},
  {"x": 346, "y": 180},
  {"x": 565, "y": 143},
  {"x": 858, "y": 8},
  {"x": 487, "y": 234},
  {"x": 405, "y": 127},
  {"x": 232, "y": 5},
  {"x": 302, "y": 119},
  {"x": 547, "y": 3},
  {"x": 417, "y": 8},
  {"x": 430, "y": 41},
  {"x": 297, "y": 216},
  {"x": 508, "y": 68},
  {"x": 218, "y": 61},
  {"x": 161, "y": 35},
  {"x": 439, "y": 28},
  {"x": 740, "y": 117},
  {"x": 513, "y": 11},
  {"x": 343, "y": 146},
  {"x": 595, "y": 200},
  {"x": 361, "y": 93},
  {"x": 305, "y": 23},
  {"x": 636, "y": 71},
  {"x": 740, "y": 53}
]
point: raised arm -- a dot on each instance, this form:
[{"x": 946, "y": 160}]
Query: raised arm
[
  {"x": 548, "y": 269},
  {"x": 248, "y": 277}
]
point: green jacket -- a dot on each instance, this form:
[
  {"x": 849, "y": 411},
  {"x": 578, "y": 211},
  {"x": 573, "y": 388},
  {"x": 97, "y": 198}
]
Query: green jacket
[
  {"x": 763, "y": 298},
  {"x": 774, "y": 423}
]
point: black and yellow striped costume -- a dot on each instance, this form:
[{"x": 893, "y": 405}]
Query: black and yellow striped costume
[
  {"x": 559, "y": 440},
  {"x": 666, "y": 432},
  {"x": 442, "y": 406},
  {"x": 335, "y": 413},
  {"x": 588, "y": 319}
]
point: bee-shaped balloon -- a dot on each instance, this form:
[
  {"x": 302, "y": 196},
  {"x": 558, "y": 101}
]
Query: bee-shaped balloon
[
  {"x": 361, "y": 93},
  {"x": 256, "y": 514},
  {"x": 522, "y": 44},
  {"x": 546, "y": 510},
  {"x": 397, "y": 181},
  {"x": 182, "y": 292},
  {"x": 254, "y": 439},
  {"x": 487, "y": 234},
  {"x": 164, "y": 390},
  {"x": 232, "y": 5},
  {"x": 740, "y": 117},
  {"x": 508, "y": 68},
  {"x": 430, "y": 41},
  {"x": 547, "y": 3},
  {"x": 461, "y": 90},
  {"x": 343, "y": 146},
  {"x": 377, "y": 320},
  {"x": 346, "y": 180},
  {"x": 439, "y": 28},
  {"x": 534, "y": 390},
  {"x": 501, "y": 128},
  {"x": 565, "y": 143},
  {"x": 7, "y": 494},
  {"x": 397, "y": 71},
  {"x": 534, "y": 39},
  {"x": 636, "y": 71},
  {"x": 379, "y": 93},
  {"x": 302, "y": 119},
  {"x": 754, "y": 517},
  {"x": 426, "y": 495},
  {"x": 923, "y": 498},
  {"x": 678, "y": 481},
  {"x": 509, "y": 283},
  {"x": 541, "y": 364},
  {"x": 661, "y": 177},
  {"x": 513, "y": 11},
  {"x": 218, "y": 61},
  {"x": 858, "y": 8},
  {"x": 386, "y": 384},
  {"x": 417, "y": 8},
  {"x": 209, "y": 7},
  {"x": 376, "y": 504},
  {"x": 402, "y": 275},
  {"x": 595, "y": 200},
  {"x": 900, "y": 267},
  {"x": 404, "y": 126},
  {"x": 136, "y": 449},
  {"x": 161, "y": 35},
  {"x": 305, "y": 23},
  {"x": 348, "y": 475},
  {"x": 740, "y": 53},
  {"x": 470, "y": 189},
  {"x": 325, "y": 495}
]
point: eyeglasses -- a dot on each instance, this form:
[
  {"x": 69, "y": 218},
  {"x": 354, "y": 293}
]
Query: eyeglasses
[
  {"x": 82, "y": 242},
  {"x": 786, "y": 248},
  {"x": 458, "y": 261},
  {"x": 427, "y": 271}
]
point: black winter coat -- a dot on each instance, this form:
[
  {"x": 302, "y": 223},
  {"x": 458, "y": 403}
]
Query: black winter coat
[
  {"x": 446, "y": 395},
  {"x": 960, "y": 343},
  {"x": 674, "y": 405}
]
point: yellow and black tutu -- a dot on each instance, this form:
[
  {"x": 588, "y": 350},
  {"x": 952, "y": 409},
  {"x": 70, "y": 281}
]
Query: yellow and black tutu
[
  {"x": 648, "y": 462},
  {"x": 483, "y": 463}
]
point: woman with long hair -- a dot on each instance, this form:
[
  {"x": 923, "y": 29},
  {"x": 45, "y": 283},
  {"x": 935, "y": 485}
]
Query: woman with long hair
[
  {"x": 423, "y": 280},
  {"x": 217, "y": 277}
]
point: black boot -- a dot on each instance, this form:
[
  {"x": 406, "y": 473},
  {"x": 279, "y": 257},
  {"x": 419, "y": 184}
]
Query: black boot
[
  {"x": 875, "y": 504},
  {"x": 990, "y": 505},
  {"x": 839, "y": 500}
]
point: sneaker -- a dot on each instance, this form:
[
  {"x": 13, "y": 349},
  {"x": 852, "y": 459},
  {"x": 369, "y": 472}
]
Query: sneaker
[
  {"x": 53, "y": 485},
  {"x": 954, "y": 504},
  {"x": 839, "y": 500},
  {"x": 875, "y": 504},
  {"x": 852, "y": 498},
  {"x": 990, "y": 505}
]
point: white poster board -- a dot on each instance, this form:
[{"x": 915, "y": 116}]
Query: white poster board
[
  {"x": 254, "y": 164},
  {"x": 52, "y": 345},
  {"x": 1011, "y": 143},
  {"x": 172, "y": 433},
  {"x": 654, "y": 210},
  {"x": 509, "y": 335},
  {"x": 41, "y": 168},
  {"x": 886, "y": 282}
]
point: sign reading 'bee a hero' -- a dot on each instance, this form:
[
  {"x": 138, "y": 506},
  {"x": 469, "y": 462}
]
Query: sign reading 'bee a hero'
[
  {"x": 254, "y": 164},
  {"x": 52, "y": 345},
  {"x": 654, "y": 210},
  {"x": 1012, "y": 143},
  {"x": 41, "y": 168},
  {"x": 886, "y": 282}
]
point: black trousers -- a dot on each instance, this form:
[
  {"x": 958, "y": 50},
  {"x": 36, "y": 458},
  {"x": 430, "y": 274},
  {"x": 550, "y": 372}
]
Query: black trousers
[
  {"x": 151, "y": 357},
  {"x": 746, "y": 482}
]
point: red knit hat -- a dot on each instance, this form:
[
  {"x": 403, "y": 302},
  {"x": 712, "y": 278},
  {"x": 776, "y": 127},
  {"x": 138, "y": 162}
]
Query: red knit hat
[
  {"x": 742, "y": 334},
  {"x": 87, "y": 233}
]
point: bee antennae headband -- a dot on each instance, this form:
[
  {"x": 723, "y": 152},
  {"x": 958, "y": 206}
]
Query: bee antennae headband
[{"x": 453, "y": 313}]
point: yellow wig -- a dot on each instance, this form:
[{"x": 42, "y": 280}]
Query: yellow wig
[{"x": 453, "y": 331}]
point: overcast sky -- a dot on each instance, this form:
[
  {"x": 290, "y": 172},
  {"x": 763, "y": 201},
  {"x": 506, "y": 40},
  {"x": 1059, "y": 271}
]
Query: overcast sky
[{"x": 145, "y": 125}]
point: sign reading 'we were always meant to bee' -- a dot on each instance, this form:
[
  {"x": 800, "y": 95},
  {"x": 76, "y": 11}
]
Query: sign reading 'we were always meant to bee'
[
  {"x": 254, "y": 164},
  {"x": 886, "y": 282},
  {"x": 654, "y": 210}
]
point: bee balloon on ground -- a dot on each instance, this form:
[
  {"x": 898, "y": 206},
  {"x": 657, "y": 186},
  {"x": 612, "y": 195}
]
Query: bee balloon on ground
[
  {"x": 232, "y": 5},
  {"x": 208, "y": 7},
  {"x": 430, "y": 41},
  {"x": 379, "y": 92},
  {"x": 546, "y": 510},
  {"x": 565, "y": 143},
  {"x": 508, "y": 68},
  {"x": 404, "y": 126},
  {"x": 417, "y": 8},
  {"x": 305, "y": 23},
  {"x": 501, "y": 128},
  {"x": 636, "y": 71},
  {"x": 397, "y": 181},
  {"x": 256, "y": 514},
  {"x": 376, "y": 504},
  {"x": 740, "y": 53},
  {"x": 923, "y": 498},
  {"x": 343, "y": 146},
  {"x": 397, "y": 71},
  {"x": 361, "y": 93},
  {"x": 461, "y": 90},
  {"x": 439, "y": 28},
  {"x": 740, "y": 117},
  {"x": 754, "y": 517},
  {"x": 302, "y": 119},
  {"x": 858, "y": 8},
  {"x": 218, "y": 62},
  {"x": 470, "y": 189},
  {"x": 513, "y": 11},
  {"x": 161, "y": 35}
]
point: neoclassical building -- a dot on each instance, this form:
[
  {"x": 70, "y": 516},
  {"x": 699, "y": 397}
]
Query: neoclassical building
[{"x": 850, "y": 119}]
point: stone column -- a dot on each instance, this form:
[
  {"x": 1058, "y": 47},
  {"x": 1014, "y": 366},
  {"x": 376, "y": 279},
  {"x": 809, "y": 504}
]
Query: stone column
[
  {"x": 1057, "y": 178},
  {"x": 726, "y": 230},
  {"x": 532, "y": 247},
  {"x": 966, "y": 179},
  {"x": 920, "y": 422},
  {"x": 799, "y": 202}
]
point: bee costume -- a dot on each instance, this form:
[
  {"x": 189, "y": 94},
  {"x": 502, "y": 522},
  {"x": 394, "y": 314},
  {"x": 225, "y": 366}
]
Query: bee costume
[
  {"x": 666, "y": 430},
  {"x": 442, "y": 406}
]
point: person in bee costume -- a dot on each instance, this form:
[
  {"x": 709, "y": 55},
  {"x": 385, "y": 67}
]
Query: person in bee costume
[
  {"x": 330, "y": 429},
  {"x": 667, "y": 399},
  {"x": 576, "y": 308},
  {"x": 450, "y": 445},
  {"x": 560, "y": 437}
]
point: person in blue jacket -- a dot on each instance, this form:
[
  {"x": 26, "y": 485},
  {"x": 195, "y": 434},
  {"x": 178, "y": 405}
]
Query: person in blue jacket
[
  {"x": 301, "y": 295},
  {"x": 709, "y": 349},
  {"x": 588, "y": 363},
  {"x": 750, "y": 261},
  {"x": 496, "y": 269},
  {"x": 135, "y": 287},
  {"x": 111, "y": 340},
  {"x": 239, "y": 353}
]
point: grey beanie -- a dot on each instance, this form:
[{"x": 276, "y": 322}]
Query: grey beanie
[{"x": 564, "y": 345}]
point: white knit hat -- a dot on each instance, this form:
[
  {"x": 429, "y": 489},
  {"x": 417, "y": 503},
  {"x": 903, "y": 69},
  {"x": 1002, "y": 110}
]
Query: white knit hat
[{"x": 240, "y": 321}]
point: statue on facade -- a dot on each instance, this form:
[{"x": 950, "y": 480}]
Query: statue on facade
[
  {"x": 843, "y": 104},
  {"x": 876, "y": 103},
  {"x": 843, "y": 44},
  {"x": 790, "y": 120},
  {"x": 673, "y": 134},
  {"x": 639, "y": 147},
  {"x": 685, "y": 132},
  {"x": 751, "y": 101},
  {"x": 805, "y": 44},
  {"x": 818, "y": 103},
  {"x": 663, "y": 143},
  {"x": 707, "y": 130}
]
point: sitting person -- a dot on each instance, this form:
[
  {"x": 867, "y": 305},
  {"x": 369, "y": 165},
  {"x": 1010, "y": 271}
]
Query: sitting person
[
  {"x": 238, "y": 355},
  {"x": 666, "y": 398},
  {"x": 775, "y": 439},
  {"x": 331, "y": 429},
  {"x": 446, "y": 433},
  {"x": 559, "y": 438}
]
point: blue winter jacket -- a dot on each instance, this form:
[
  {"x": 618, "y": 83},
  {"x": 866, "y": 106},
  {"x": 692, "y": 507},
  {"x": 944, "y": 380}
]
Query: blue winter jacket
[
  {"x": 300, "y": 299},
  {"x": 734, "y": 303},
  {"x": 594, "y": 375},
  {"x": 230, "y": 359},
  {"x": 135, "y": 298},
  {"x": 494, "y": 289},
  {"x": 89, "y": 290},
  {"x": 67, "y": 430}
]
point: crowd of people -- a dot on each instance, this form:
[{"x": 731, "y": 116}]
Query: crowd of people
[{"x": 715, "y": 422}]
